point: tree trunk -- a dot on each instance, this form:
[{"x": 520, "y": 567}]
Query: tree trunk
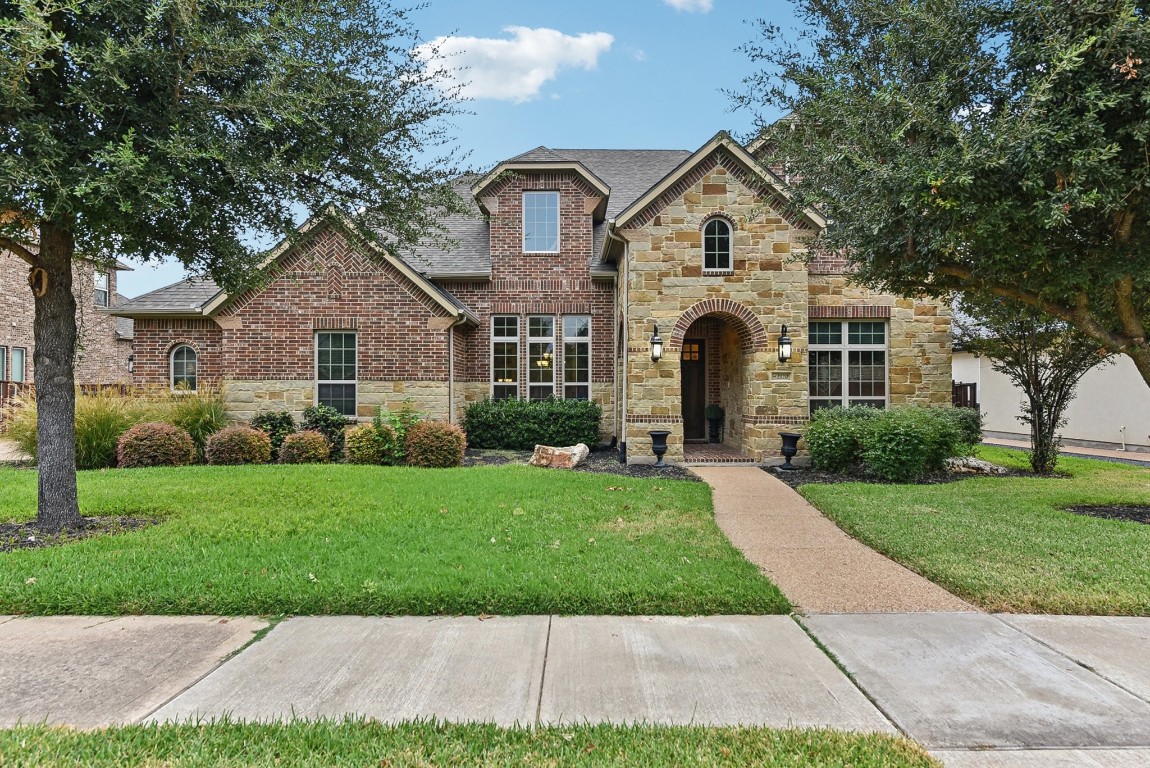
[{"x": 55, "y": 333}]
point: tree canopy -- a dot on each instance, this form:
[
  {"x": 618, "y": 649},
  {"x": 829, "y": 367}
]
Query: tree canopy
[
  {"x": 200, "y": 130},
  {"x": 992, "y": 146}
]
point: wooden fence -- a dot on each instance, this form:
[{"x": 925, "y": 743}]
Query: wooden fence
[{"x": 964, "y": 395}]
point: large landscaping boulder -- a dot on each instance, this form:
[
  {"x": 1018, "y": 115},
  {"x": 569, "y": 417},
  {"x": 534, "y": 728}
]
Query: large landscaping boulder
[{"x": 560, "y": 458}]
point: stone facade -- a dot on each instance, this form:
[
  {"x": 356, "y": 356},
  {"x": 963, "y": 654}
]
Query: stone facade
[
  {"x": 101, "y": 355},
  {"x": 739, "y": 314}
]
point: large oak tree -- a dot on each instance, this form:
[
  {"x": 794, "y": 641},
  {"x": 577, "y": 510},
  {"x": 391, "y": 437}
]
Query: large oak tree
[
  {"x": 197, "y": 130},
  {"x": 990, "y": 146}
]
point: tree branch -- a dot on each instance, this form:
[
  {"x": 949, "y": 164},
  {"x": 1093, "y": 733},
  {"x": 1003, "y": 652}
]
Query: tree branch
[
  {"x": 20, "y": 250},
  {"x": 1124, "y": 304}
]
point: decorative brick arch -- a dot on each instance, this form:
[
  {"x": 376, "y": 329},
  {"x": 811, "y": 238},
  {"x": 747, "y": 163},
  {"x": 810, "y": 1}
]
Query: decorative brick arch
[{"x": 752, "y": 335}]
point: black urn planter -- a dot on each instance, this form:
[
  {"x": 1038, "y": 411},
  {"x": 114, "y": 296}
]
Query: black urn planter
[
  {"x": 714, "y": 414},
  {"x": 790, "y": 448},
  {"x": 659, "y": 444}
]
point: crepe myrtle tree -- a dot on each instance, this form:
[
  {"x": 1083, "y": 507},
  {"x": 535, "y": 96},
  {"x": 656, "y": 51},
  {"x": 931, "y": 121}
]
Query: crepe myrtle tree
[
  {"x": 189, "y": 130},
  {"x": 1043, "y": 356},
  {"x": 988, "y": 146}
]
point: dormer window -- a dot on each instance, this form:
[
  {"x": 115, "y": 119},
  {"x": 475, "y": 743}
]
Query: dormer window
[
  {"x": 540, "y": 222},
  {"x": 717, "y": 246}
]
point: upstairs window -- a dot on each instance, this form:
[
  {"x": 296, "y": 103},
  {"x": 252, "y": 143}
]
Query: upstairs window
[
  {"x": 183, "y": 367},
  {"x": 100, "y": 289},
  {"x": 540, "y": 222},
  {"x": 717, "y": 246},
  {"x": 335, "y": 371}
]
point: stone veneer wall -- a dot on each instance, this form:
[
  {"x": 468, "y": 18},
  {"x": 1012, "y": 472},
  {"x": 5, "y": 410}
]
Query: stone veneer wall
[
  {"x": 765, "y": 289},
  {"x": 245, "y": 399}
]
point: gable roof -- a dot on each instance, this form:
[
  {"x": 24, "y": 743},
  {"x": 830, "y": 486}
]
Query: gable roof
[{"x": 201, "y": 297}]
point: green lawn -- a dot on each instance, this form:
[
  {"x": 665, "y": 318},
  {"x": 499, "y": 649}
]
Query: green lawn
[
  {"x": 1005, "y": 543},
  {"x": 428, "y": 744},
  {"x": 336, "y": 539}
]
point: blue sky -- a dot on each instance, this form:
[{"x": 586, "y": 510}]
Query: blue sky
[{"x": 626, "y": 74}]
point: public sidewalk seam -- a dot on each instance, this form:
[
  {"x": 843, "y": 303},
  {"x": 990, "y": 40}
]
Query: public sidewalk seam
[
  {"x": 543, "y": 672},
  {"x": 1069, "y": 658}
]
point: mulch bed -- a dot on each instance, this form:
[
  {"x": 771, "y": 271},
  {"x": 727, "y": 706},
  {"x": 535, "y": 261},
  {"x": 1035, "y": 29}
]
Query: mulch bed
[
  {"x": 603, "y": 462},
  {"x": 27, "y": 536},
  {"x": 807, "y": 475},
  {"x": 1126, "y": 513}
]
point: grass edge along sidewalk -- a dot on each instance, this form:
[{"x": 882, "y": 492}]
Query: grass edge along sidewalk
[
  {"x": 358, "y": 742},
  {"x": 340, "y": 539},
  {"x": 1008, "y": 543}
]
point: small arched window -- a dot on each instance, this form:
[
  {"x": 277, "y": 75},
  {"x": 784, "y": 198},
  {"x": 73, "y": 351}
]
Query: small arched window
[
  {"x": 717, "y": 245},
  {"x": 183, "y": 369}
]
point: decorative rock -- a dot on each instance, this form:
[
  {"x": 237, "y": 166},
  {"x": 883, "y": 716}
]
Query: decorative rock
[
  {"x": 973, "y": 466},
  {"x": 560, "y": 458}
]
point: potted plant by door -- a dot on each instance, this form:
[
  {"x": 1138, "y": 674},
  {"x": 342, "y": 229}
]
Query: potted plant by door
[{"x": 714, "y": 414}]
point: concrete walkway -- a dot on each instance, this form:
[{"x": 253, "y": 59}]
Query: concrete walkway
[
  {"x": 817, "y": 566},
  {"x": 10, "y": 453},
  {"x": 979, "y": 691}
]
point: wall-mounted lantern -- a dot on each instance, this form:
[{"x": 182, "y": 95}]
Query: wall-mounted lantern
[
  {"x": 784, "y": 346},
  {"x": 656, "y": 345},
  {"x": 131, "y": 363}
]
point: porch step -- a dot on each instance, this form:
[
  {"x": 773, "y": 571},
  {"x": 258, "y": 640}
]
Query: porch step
[{"x": 715, "y": 453}]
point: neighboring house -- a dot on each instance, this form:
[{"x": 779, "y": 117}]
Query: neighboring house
[
  {"x": 1111, "y": 409},
  {"x": 105, "y": 342},
  {"x": 554, "y": 288}
]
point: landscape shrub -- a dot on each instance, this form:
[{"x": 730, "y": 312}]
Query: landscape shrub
[
  {"x": 101, "y": 419},
  {"x": 522, "y": 424},
  {"x": 306, "y": 447},
  {"x": 435, "y": 444},
  {"x": 905, "y": 443},
  {"x": 371, "y": 444},
  {"x": 239, "y": 445},
  {"x": 276, "y": 425},
  {"x": 969, "y": 424},
  {"x": 399, "y": 421},
  {"x": 155, "y": 444},
  {"x": 201, "y": 414},
  {"x": 835, "y": 437},
  {"x": 328, "y": 422}
]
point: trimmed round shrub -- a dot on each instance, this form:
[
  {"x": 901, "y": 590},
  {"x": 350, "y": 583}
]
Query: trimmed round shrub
[
  {"x": 328, "y": 422},
  {"x": 968, "y": 421},
  {"x": 306, "y": 447},
  {"x": 155, "y": 444},
  {"x": 836, "y": 437},
  {"x": 370, "y": 444},
  {"x": 435, "y": 444},
  {"x": 276, "y": 425},
  {"x": 239, "y": 445},
  {"x": 907, "y": 442}
]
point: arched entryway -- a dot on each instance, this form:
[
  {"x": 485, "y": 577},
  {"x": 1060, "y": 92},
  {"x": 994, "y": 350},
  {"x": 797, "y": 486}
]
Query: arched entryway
[{"x": 717, "y": 342}]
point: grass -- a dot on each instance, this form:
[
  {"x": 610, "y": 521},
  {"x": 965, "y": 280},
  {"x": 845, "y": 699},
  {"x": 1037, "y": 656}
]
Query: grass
[
  {"x": 429, "y": 744},
  {"x": 338, "y": 539},
  {"x": 1006, "y": 543}
]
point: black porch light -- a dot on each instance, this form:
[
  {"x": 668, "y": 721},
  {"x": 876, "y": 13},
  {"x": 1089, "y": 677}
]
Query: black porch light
[
  {"x": 784, "y": 346},
  {"x": 131, "y": 363},
  {"x": 656, "y": 345}
]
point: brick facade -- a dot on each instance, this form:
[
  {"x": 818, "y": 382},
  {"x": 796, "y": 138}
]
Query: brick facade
[{"x": 101, "y": 355}]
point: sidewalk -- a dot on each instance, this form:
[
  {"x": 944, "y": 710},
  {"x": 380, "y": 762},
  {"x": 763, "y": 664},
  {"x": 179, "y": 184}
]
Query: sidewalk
[
  {"x": 1131, "y": 457},
  {"x": 10, "y": 453},
  {"x": 978, "y": 690}
]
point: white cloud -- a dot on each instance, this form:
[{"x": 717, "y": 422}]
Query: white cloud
[
  {"x": 514, "y": 69},
  {"x": 701, "y": 6}
]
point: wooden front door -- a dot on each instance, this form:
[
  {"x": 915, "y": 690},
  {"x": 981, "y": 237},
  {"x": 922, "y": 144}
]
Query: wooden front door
[{"x": 694, "y": 389}]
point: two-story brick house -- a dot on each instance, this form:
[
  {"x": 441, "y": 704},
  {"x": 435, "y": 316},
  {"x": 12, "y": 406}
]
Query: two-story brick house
[
  {"x": 105, "y": 342},
  {"x": 554, "y": 288}
]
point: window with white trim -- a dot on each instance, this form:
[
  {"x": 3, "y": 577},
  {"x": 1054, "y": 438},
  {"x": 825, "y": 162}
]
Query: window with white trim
[
  {"x": 100, "y": 293},
  {"x": 3, "y": 363},
  {"x": 540, "y": 222},
  {"x": 847, "y": 363},
  {"x": 540, "y": 357},
  {"x": 504, "y": 357},
  {"x": 335, "y": 371},
  {"x": 183, "y": 366},
  {"x": 577, "y": 357},
  {"x": 717, "y": 246}
]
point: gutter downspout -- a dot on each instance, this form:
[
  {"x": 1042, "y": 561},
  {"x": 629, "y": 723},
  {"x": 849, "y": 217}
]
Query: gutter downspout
[
  {"x": 451, "y": 369},
  {"x": 621, "y": 422}
]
